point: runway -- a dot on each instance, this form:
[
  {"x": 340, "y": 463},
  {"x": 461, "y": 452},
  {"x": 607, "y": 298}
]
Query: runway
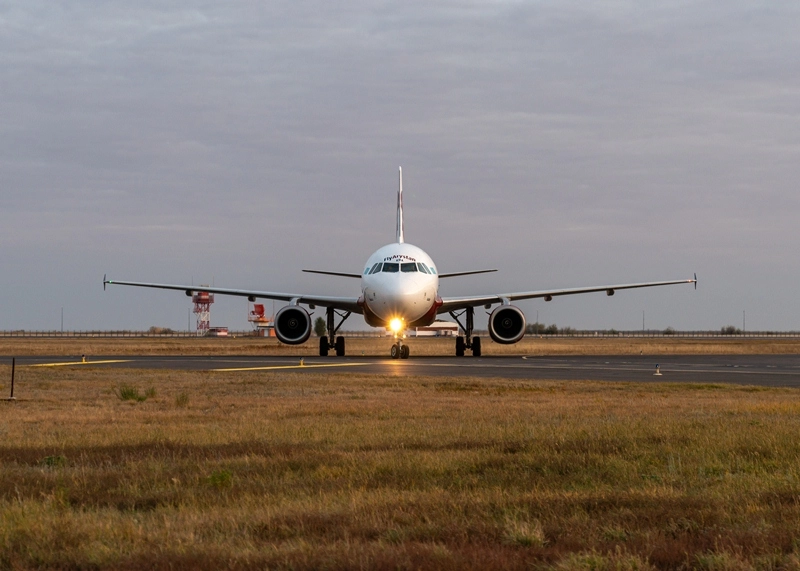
[{"x": 761, "y": 370}]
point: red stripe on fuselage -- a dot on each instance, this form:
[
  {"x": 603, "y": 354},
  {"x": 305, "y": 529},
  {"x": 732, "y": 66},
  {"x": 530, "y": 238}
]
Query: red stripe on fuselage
[
  {"x": 374, "y": 320},
  {"x": 430, "y": 316}
]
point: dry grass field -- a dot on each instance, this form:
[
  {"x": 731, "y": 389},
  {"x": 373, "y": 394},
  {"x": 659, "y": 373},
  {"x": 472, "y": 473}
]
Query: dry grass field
[
  {"x": 55, "y": 346},
  {"x": 131, "y": 469}
]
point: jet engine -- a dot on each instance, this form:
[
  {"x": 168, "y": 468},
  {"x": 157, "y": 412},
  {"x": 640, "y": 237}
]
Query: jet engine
[
  {"x": 292, "y": 325},
  {"x": 506, "y": 324}
]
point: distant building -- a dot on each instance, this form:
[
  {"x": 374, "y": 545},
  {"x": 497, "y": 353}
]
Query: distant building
[{"x": 436, "y": 329}]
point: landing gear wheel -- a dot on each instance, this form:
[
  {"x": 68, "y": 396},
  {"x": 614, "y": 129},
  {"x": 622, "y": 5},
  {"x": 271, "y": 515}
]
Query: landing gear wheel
[
  {"x": 459, "y": 346},
  {"x": 330, "y": 341},
  {"x": 404, "y": 352},
  {"x": 476, "y": 346},
  {"x": 395, "y": 351},
  {"x": 467, "y": 341}
]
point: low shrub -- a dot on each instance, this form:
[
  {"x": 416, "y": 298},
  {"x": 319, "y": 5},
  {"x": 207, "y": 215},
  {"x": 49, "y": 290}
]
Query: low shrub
[
  {"x": 53, "y": 461},
  {"x": 128, "y": 392}
]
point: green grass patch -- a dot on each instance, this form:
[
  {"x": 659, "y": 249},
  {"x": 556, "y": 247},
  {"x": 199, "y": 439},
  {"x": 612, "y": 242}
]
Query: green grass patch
[{"x": 220, "y": 479}]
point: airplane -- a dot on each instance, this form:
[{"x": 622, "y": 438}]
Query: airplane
[{"x": 399, "y": 291}]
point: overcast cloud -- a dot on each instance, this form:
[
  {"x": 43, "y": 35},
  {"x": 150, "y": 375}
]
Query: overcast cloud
[{"x": 564, "y": 143}]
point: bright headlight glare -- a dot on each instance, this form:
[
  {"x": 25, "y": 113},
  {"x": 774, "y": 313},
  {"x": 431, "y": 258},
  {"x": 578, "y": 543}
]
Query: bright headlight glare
[{"x": 396, "y": 325}]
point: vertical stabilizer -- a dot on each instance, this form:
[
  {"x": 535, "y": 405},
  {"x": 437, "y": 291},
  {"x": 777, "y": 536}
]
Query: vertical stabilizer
[{"x": 400, "y": 239}]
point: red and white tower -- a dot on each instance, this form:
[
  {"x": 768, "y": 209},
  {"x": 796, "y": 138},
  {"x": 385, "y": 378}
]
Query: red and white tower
[{"x": 202, "y": 308}]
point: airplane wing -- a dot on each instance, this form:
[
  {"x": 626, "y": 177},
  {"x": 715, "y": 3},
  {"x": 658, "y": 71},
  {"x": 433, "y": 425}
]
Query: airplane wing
[
  {"x": 343, "y": 303},
  {"x": 457, "y": 303}
]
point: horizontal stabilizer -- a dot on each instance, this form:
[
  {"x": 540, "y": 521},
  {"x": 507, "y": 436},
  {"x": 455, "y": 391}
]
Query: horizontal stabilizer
[
  {"x": 340, "y": 274},
  {"x": 452, "y": 275}
]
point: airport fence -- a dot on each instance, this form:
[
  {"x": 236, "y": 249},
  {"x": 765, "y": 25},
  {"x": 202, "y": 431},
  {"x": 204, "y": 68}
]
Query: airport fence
[
  {"x": 680, "y": 334},
  {"x": 381, "y": 333},
  {"x": 148, "y": 335},
  {"x": 66, "y": 334}
]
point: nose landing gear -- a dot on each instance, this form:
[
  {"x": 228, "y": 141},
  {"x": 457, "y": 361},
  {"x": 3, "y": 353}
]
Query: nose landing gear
[
  {"x": 467, "y": 342},
  {"x": 400, "y": 351}
]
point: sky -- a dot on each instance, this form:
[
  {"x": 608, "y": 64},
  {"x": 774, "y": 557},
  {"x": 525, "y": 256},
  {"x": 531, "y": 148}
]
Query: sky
[{"x": 565, "y": 143}]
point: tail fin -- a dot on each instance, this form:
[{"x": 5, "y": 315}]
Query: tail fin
[{"x": 400, "y": 239}]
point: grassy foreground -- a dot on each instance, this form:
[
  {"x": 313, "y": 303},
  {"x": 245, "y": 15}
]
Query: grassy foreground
[{"x": 272, "y": 470}]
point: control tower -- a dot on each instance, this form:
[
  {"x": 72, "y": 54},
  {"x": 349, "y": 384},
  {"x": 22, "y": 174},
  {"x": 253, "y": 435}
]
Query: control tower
[{"x": 202, "y": 308}]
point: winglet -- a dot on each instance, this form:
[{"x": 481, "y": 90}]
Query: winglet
[
  {"x": 400, "y": 239},
  {"x": 105, "y": 281},
  {"x": 695, "y": 280}
]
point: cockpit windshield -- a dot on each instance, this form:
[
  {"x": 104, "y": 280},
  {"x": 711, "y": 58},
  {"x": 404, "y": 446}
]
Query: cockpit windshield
[{"x": 405, "y": 267}]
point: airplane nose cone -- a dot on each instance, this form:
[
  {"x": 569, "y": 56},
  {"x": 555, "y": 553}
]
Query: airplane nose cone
[{"x": 408, "y": 301}]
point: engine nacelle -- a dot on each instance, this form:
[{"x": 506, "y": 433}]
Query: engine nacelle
[
  {"x": 292, "y": 325},
  {"x": 506, "y": 324}
]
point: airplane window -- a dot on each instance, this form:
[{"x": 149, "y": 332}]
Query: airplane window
[
  {"x": 408, "y": 267},
  {"x": 421, "y": 267},
  {"x": 366, "y": 271},
  {"x": 376, "y": 268},
  {"x": 433, "y": 270},
  {"x": 391, "y": 267}
]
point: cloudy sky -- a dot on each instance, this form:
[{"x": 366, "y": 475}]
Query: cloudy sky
[{"x": 565, "y": 143}]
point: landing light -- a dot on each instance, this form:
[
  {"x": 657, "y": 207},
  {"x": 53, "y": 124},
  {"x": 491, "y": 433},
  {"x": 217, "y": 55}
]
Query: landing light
[{"x": 396, "y": 324}]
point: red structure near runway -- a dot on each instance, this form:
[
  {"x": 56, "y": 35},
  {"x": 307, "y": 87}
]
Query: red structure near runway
[
  {"x": 202, "y": 308},
  {"x": 263, "y": 325}
]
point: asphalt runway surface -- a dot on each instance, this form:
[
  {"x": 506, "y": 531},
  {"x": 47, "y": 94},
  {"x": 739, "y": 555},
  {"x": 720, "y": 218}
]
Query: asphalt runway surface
[{"x": 762, "y": 370}]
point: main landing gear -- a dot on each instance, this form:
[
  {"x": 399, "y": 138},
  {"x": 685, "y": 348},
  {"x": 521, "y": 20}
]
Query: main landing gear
[
  {"x": 400, "y": 351},
  {"x": 332, "y": 328},
  {"x": 473, "y": 343}
]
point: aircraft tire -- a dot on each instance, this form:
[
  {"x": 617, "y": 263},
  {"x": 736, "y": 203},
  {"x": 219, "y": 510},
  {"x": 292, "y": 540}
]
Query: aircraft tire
[
  {"x": 459, "y": 346},
  {"x": 476, "y": 346},
  {"x": 323, "y": 346},
  {"x": 395, "y": 351},
  {"x": 340, "y": 346},
  {"x": 404, "y": 352}
]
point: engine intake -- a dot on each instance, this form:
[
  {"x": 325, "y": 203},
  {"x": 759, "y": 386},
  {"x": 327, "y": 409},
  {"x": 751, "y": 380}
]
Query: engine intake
[
  {"x": 507, "y": 324},
  {"x": 292, "y": 325}
]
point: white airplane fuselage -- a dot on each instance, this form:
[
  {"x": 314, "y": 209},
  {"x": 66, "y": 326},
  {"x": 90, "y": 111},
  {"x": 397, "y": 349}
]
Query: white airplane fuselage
[{"x": 400, "y": 282}]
